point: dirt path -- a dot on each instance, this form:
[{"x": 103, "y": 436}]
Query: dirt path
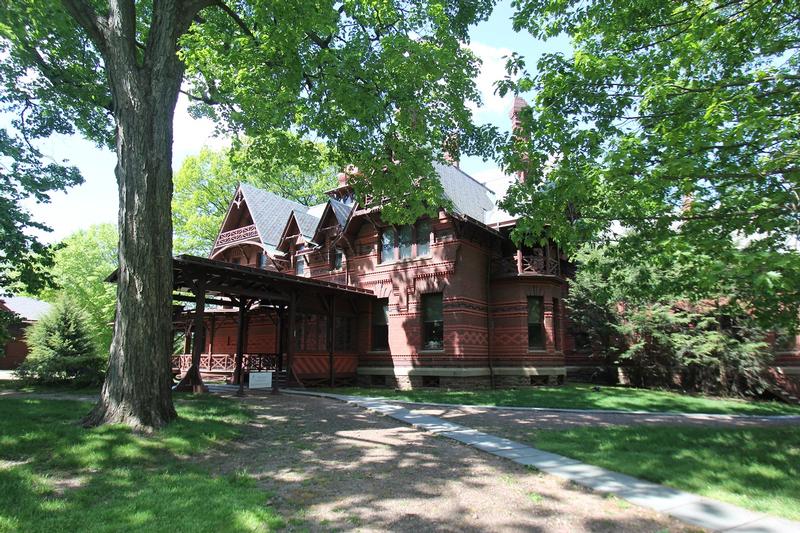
[{"x": 331, "y": 466}]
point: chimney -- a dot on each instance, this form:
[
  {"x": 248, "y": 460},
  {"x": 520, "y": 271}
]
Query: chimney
[
  {"x": 516, "y": 110},
  {"x": 342, "y": 179},
  {"x": 451, "y": 153}
]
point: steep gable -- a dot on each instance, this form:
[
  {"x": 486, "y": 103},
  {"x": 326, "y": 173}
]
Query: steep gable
[{"x": 270, "y": 212}]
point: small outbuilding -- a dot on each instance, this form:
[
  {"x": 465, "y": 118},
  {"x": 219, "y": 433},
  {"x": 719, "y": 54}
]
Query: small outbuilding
[{"x": 29, "y": 310}]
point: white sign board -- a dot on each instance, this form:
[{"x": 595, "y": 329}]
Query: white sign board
[{"x": 260, "y": 380}]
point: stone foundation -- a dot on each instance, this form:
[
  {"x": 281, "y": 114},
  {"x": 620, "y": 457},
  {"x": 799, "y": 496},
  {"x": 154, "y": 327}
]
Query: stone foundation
[{"x": 459, "y": 378}]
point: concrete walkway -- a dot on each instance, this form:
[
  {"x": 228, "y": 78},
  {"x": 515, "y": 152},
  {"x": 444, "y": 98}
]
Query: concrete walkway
[{"x": 690, "y": 508}]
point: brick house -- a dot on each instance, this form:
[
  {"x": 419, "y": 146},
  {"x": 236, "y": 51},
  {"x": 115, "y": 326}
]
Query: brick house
[
  {"x": 29, "y": 311},
  {"x": 448, "y": 301}
]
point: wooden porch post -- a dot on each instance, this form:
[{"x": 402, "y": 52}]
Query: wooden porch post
[
  {"x": 241, "y": 330},
  {"x": 192, "y": 379},
  {"x": 291, "y": 336},
  {"x": 332, "y": 338}
]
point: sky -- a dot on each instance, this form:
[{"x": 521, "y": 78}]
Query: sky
[{"x": 96, "y": 200}]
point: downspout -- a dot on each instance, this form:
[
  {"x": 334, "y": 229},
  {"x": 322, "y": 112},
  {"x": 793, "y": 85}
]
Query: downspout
[{"x": 489, "y": 318}]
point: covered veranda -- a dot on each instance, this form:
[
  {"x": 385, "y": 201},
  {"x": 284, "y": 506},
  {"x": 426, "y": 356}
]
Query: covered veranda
[{"x": 239, "y": 290}]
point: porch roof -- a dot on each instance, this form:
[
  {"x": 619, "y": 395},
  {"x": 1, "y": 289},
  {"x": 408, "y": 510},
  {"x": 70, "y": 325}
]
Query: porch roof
[{"x": 235, "y": 281}]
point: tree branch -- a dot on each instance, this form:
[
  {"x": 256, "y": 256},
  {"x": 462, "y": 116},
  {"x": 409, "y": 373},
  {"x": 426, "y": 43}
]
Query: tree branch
[{"x": 85, "y": 16}]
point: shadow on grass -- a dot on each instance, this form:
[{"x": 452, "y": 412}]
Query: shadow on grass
[
  {"x": 577, "y": 396},
  {"x": 757, "y": 468},
  {"x": 57, "y": 476}
]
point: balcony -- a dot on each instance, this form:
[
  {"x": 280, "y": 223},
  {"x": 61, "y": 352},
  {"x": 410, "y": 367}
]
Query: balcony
[
  {"x": 244, "y": 233},
  {"x": 526, "y": 265}
]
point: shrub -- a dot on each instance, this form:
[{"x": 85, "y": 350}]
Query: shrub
[{"x": 62, "y": 350}]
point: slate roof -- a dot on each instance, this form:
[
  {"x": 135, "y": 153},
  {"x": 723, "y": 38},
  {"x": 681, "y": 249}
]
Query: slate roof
[
  {"x": 307, "y": 224},
  {"x": 469, "y": 196},
  {"x": 28, "y": 308},
  {"x": 341, "y": 210},
  {"x": 269, "y": 211}
]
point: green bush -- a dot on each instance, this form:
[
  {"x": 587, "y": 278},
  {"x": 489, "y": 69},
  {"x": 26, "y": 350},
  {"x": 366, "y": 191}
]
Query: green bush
[{"x": 62, "y": 350}]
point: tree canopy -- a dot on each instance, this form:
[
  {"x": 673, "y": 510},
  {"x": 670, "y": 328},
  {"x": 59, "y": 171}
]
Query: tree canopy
[
  {"x": 25, "y": 174},
  {"x": 672, "y": 129},
  {"x": 81, "y": 263},
  {"x": 205, "y": 184}
]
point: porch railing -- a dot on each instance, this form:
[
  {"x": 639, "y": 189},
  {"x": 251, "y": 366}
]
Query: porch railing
[
  {"x": 536, "y": 265},
  {"x": 226, "y": 363}
]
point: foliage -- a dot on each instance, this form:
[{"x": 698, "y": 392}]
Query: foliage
[
  {"x": 678, "y": 121},
  {"x": 81, "y": 263},
  {"x": 25, "y": 175},
  {"x": 632, "y": 316},
  {"x": 385, "y": 84},
  {"x": 50, "y": 461},
  {"x": 206, "y": 182},
  {"x": 8, "y": 322},
  {"x": 61, "y": 349},
  {"x": 756, "y": 468},
  {"x": 583, "y": 396}
]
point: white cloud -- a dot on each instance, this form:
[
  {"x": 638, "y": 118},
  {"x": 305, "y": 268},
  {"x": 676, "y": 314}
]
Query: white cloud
[{"x": 492, "y": 70}]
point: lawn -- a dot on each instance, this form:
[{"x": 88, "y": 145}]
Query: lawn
[
  {"x": 57, "y": 476},
  {"x": 756, "y": 468},
  {"x": 579, "y": 396}
]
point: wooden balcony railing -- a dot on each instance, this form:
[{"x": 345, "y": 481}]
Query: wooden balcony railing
[
  {"x": 531, "y": 265},
  {"x": 244, "y": 233}
]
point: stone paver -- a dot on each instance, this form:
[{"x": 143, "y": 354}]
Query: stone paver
[{"x": 690, "y": 508}]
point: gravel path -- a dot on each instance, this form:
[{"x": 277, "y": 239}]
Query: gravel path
[{"x": 331, "y": 466}]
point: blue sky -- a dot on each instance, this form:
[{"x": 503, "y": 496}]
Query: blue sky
[{"x": 96, "y": 200}]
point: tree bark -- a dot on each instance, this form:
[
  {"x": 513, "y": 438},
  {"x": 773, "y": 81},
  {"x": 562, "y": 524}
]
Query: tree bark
[{"x": 145, "y": 91}]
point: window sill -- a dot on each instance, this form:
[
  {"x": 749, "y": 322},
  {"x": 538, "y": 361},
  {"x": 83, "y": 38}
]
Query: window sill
[{"x": 433, "y": 351}]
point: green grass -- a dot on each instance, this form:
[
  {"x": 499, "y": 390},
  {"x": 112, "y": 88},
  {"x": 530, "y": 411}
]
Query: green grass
[
  {"x": 756, "y": 468},
  {"x": 19, "y": 386},
  {"x": 58, "y": 476},
  {"x": 579, "y": 396}
]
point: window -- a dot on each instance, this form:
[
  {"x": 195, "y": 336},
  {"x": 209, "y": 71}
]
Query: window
[
  {"x": 235, "y": 260},
  {"x": 300, "y": 266},
  {"x": 535, "y": 323},
  {"x": 432, "y": 322},
  {"x": 312, "y": 333},
  {"x": 423, "y": 238},
  {"x": 388, "y": 238},
  {"x": 336, "y": 264},
  {"x": 344, "y": 333},
  {"x": 557, "y": 322},
  {"x": 262, "y": 260},
  {"x": 405, "y": 241},
  {"x": 380, "y": 325}
]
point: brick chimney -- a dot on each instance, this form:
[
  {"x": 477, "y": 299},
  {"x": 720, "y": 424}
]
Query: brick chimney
[
  {"x": 516, "y": 109},
  {"x": 342, "y": 179}
]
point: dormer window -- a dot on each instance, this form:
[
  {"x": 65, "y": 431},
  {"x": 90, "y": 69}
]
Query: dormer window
[{"x": 300, "y": 266}]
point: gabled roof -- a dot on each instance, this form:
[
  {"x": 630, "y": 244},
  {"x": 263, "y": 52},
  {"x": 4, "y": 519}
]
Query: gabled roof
[
  {"x": 468, "y": 196},
  {"x": 269, "y": 212},
  {"x": 341, "y": 210},
  {"x": 306, "y": 223},
  {"x": 28, "y": 309}
]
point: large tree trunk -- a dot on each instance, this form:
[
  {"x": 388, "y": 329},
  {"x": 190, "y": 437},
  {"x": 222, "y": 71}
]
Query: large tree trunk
[{"x": 137, "y": 387}]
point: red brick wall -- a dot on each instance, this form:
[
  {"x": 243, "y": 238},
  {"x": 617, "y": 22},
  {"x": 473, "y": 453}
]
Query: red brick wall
[{"x": 15, "y": 350}]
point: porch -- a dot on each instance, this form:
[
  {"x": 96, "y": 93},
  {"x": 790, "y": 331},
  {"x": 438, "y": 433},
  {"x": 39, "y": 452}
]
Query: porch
[{"x": 237, "y": 292}]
